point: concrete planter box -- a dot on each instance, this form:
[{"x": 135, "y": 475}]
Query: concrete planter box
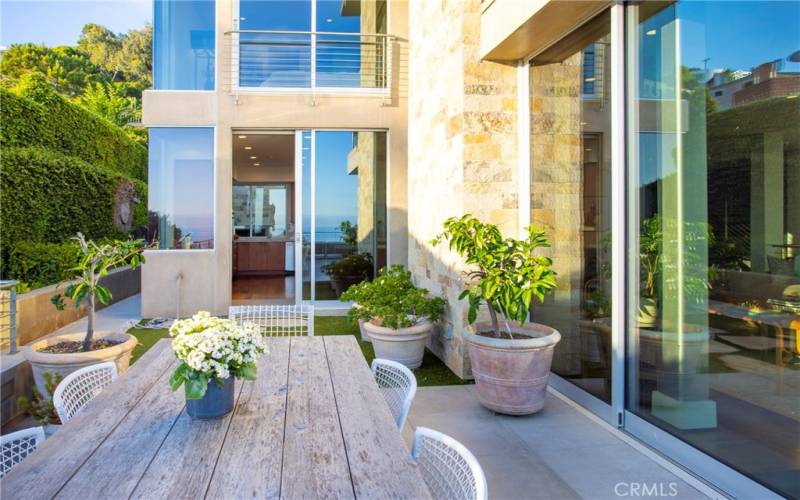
[
  {"x": 64, "y": 364},
  {"x": 511, "y": 374},
  {"x": 404, "y": 345}
]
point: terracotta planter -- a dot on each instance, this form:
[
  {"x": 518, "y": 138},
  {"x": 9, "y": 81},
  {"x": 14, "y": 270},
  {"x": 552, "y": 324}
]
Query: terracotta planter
[
  {"x": 404, "y": 345},
  {"x": 64, "y": 364},
  {"x": 511, "y": 374}
]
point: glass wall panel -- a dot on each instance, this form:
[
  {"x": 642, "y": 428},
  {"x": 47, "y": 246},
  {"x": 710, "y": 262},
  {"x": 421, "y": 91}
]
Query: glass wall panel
[
  {"x": 350, "y": 209},
  {"x": 307, "y": 243},
  {"x": 350, "y": 61},
  {"x": 714, "y": 291},
  {"x": 181, "y": 187},
  {"x": 183, "y": 44},
  {"x": 570, "y": 196},
  {"x": 277, "y": 58}
]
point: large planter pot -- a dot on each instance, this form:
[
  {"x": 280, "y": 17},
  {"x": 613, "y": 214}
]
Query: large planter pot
[
  {"x": 647, "y": 315},
  {"x": 217, "y": 402},
  {"x": 66, "y": 363},
  {"x": 404, "y": 345},
  {"x": 511, "y": 374}
]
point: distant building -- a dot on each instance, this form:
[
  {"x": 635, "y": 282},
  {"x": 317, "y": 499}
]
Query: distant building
[{"x": 739, "y": 87}]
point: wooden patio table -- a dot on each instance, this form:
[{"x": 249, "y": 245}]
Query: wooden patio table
[{"x": 313, "y": 425}]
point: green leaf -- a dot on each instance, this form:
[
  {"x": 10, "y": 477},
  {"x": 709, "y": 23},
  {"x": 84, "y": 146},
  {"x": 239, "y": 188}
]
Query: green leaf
[
  {"x": 248, "y": 371},
  {"x": 197, "y": 386},
  {"x": 177, "y": 377}
]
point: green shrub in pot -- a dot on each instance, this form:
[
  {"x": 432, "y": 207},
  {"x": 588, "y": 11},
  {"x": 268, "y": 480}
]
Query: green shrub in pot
[
  {"x": 349, "y": 270},
  {"x": 397, "y": 316}
]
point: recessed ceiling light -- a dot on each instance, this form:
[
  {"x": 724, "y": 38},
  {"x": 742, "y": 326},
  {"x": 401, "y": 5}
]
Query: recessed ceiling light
[
  {"x": 248, "y": 148},
  {"x": 256, "y": 164},
  {"x": 590, "y": 79},
  {"x": 651, "y": 33},
  {"x": 329, "y": 20},
  {"x": 242, "y": 137},
  {"x": 252, "y": 157}
]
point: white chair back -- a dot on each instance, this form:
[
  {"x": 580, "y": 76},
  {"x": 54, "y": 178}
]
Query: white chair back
[
  {"x": 18, "y": 445},
  {"x": 80, "y": 387},
  {"x": 277, "y": 320},
  {"x": 449, "y": 469},
  {"x": 398, "y": 385}
]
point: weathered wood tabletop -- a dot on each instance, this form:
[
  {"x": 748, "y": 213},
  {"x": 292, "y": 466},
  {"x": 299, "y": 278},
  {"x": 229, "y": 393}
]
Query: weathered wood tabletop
[{"x": 314, "y": 424}]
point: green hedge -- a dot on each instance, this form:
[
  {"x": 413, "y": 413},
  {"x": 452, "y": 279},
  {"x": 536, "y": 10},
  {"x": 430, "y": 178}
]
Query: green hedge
[
  {"x": 42, "y": 264},
  {"x": 33, "y": 114},
  {"x": 47, "y": 197}
]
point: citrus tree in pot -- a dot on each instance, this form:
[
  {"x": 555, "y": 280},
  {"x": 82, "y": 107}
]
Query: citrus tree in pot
[
  {"x": 63, "y": 354},
  {"x": 397, "y": 316},
  {"x": 510, "y": 356}
]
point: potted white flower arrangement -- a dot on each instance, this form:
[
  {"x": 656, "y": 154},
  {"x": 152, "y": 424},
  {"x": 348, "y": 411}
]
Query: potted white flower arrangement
[{"x": 211, "y": 352}]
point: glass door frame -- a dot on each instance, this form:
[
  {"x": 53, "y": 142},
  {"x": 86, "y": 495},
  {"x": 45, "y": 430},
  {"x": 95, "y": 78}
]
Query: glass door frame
[
  {"x": 613, "y": 412},
  {"x": 709, "y": 475},
  {"x": 299, "y": 202}
]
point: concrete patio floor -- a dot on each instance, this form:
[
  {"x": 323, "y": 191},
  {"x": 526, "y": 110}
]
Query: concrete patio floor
[{"x": 559, "y": 453}]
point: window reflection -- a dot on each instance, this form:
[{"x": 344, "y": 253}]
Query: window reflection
[
  {"x": 570, "y": 190},
  {"x": 183, "y": 44},
  {"x": 715, "y": 164},
  {"x": 181, "y": 188}
]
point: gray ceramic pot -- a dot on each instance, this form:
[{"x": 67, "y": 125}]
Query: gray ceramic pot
[
  {"x": 217, "y": 402},
  {"x": 511, "y": 374}
]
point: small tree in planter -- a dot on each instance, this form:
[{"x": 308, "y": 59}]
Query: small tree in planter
[
  {"x": 96, "y": 262},
  {"x": 65, "y": 353},
  {"x": 510, "y": 361},
  {"x": 397, "y": 316}
]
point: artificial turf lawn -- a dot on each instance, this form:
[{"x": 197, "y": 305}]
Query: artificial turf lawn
[{"x": 432, "y": 372}]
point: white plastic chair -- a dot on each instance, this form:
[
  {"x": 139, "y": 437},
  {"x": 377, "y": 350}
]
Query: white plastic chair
[
  {"x": 449, "y": 469},
  {"x": 18, "y": 445},
  {"x": 398, "y": 386},
  {"x": 276, "y": 320},
  {"x": 80, "y": 387}
]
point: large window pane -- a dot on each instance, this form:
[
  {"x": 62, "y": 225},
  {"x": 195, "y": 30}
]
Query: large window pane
[
  {"x": 570, "y": 196},
  {"x": 715, "y": 216},
  {"x": 277, "y": 58},
  {"x": 183, "y": 44},
  {"x": 181, "y": 187},
  {"x": 350, "y": 209}
]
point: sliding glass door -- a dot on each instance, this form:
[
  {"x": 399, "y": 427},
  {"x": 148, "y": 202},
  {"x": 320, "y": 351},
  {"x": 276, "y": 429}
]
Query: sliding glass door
[
  {"x": 343, "y": 238},
  {"x": 714, "y": 278}
]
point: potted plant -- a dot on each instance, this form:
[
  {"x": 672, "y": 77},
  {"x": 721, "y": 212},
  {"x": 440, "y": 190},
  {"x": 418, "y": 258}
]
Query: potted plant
[
  {"x": 211, "y": 352},
  {"x": 40, "y": 406},
  {"x": 66, "y": 353},
  {"x": 651, "y": 237},
  {"x": 351, "y": 269},
  {"x": 510, "y": 358},
  {"x": 397, "y": 316}
]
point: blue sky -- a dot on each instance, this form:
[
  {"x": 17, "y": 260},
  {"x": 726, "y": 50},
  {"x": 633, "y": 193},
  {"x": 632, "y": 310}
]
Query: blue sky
[{"x": 59, "y": 22}]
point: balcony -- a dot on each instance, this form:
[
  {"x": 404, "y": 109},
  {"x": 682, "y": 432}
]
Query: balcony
[{"x": 319, "y": 62}]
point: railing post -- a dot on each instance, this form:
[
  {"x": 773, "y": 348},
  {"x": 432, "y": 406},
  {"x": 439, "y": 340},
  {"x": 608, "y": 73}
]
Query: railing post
[
  {"x": 387, "y": 61},
  {"x": 10, "y": 313}
]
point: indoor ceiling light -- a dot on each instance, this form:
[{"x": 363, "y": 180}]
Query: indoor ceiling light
[
  {"x": 651, "y": 33},
  {"x": 252, "y": 157},
  {"x": 242, "y": 137},
  {"x": 248, "y": 148},
  {"x": 256, "y": 164},
  {"x": 590, "y": 79}
]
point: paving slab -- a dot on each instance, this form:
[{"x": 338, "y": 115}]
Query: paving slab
[{"x": 558, "y": 453}]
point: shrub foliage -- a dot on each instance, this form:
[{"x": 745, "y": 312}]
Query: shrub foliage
[{"x": 33, "y": 114}]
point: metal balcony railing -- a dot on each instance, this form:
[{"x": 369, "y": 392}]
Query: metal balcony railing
[{"x": 322, "y": 61}]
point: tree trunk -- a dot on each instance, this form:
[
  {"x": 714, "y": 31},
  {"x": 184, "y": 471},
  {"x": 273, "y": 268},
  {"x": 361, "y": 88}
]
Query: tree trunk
[
  {"x": 87, "y": 341},
  {"x": 493, "y": 314}
]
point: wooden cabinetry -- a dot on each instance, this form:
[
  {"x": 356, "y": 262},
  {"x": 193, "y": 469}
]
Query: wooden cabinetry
[{"x": 259, "y": 257}]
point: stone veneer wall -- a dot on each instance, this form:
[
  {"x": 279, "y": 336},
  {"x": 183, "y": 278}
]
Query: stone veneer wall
[
  {"x": 557, "y": 195},
  {"x": 462, "y": 148}
]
